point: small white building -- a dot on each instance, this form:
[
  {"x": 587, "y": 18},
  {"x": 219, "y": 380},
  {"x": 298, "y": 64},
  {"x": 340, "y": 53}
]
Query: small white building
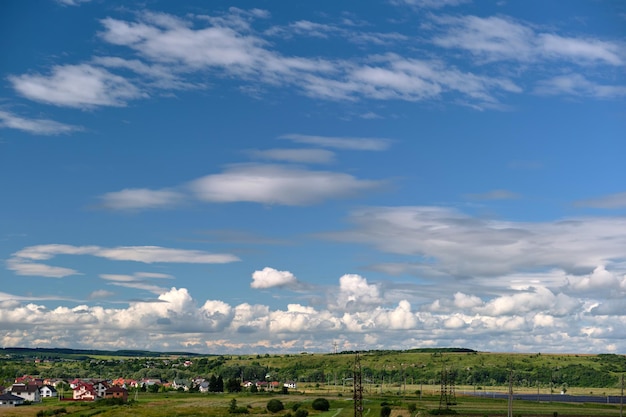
[
  {"x": 48, "y": 391},
  {"x": 10, "y": 400}
]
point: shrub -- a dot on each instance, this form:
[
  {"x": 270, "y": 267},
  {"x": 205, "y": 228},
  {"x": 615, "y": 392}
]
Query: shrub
[
  {"x": 385, "y": 411},
  {"x": 321, "y": 404},
  {"x": 234, "y": 409},
  {"x": 274, "y": 406},
  {"x": 442, "y": 412},
  {"x": 301, "y": 413},
  {"x": 412, "y": 408}
]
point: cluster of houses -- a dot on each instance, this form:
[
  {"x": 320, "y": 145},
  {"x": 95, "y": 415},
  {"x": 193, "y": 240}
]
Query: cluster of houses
[{"x": 28, "y": 389}]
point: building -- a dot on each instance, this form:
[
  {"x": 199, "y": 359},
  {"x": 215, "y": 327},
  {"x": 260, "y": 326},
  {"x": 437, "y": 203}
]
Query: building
[
  {"x": 84, "y": 392},
  {"x": 10, "y": 400},
  {"x": 100, "y": 387},
  {"x": 48, "y": 391},
  {"x": 27, "y": 392},
  {"x": 116, "y": 392}
]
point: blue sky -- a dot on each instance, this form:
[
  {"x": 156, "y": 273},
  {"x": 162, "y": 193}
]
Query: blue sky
[{"x": 282, "y": 176}]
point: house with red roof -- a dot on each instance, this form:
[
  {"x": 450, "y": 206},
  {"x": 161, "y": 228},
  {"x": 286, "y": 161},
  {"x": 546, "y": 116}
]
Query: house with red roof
[{"x": 84, "y": 392}]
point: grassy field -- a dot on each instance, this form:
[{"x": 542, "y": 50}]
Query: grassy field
[
  {"x": 182, "y": 404},
  {"x": 396, "y": 378}
]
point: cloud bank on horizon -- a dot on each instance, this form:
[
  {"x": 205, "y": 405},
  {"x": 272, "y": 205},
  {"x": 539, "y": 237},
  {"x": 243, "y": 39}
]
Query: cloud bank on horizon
[{"x": 414, "y": 173}]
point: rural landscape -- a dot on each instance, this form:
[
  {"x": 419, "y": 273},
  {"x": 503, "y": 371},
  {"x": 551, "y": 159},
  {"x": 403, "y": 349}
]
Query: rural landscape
[
  {"x": 409, "y": 383},
  {"x": 254, "y": 208}
]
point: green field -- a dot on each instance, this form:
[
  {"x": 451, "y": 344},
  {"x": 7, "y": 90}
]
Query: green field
[
  {"x": 402, "y": 380},
  {"x": 184, "y": 404}
]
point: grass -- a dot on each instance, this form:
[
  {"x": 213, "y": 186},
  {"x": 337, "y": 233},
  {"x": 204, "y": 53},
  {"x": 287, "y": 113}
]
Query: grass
[{"x": 216, "y": 405}]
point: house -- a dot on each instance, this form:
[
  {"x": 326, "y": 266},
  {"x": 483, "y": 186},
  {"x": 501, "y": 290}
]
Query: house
[
  {"x": 27, "y": 392},
  {"x": 100, "y": 387},
  {"x": 273, "y": 385},
  {"x": 53, "y": 381},
  {"x": 116, "y": 392},
  {"x": 124, "y": 383},
  {"x": 203, "y": 387},
  {"x": 180, "y": 384},
  {"x": 75, "y": 382},
  {"x": 84, "y": 392},
  {"x": 146, "y": 382},
  {"x": 47, "y": 391},
  {"x": 10, "y": 400},
  {"x": 24, "y": 379}
]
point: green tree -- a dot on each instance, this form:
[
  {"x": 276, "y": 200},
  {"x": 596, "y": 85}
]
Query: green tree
[
  {"x": 232, "y": 408},
  {"x": 233, "y": 385},
  {"x": 385, "y": 411},
  {"x": 320, "y": 404},
  {"x": 213, "y": 384},
  {"x": 274, "y": 405},
  {"x": 301, "y": 412}
]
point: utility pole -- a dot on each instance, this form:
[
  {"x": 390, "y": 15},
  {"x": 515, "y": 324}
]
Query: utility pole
[
  {"x": 510, "y": 412},
  {"x": 357, "y": 387},
  {"x": 621, "y": 399}
]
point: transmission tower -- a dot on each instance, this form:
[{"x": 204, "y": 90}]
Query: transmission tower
[
  {"x": 358, "y": 388},
  {"x": 448, "y": 395}
]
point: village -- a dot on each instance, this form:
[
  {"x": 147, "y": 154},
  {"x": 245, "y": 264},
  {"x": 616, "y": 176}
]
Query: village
[{"x": 28, "y": 389}]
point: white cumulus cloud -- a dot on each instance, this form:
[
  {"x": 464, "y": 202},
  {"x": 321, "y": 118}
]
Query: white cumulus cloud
[{"x": 270, "y": 277}]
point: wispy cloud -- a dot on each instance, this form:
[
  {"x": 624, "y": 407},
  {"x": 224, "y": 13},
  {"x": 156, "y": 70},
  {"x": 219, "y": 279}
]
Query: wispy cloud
[
  {"x": 316, "y": 156},
  {"x": 503, "y": 38},
  {"x": 97, "y": 294},
  {"x": 430, "y": 4},
  {"x": 141, "y": 198},
  {"x": 324, "y": 31},
  {"x": 579, "y": 86},
  {"x": 360, "y": 144},
  {"x": 138, "y": 280},
  {"x": 494, "y": 195},
  {"x": 253, "y": 183},
  {"x": 81, "y": 86},
  {"x": 27, "y": 268},
  {"x": 275, "y": 184},
  {"x": 170, "y": 50},
  {"x": 22, "y": 261},
  {"x": 35, "y": 126},
  {"x": 611, "y": 201},
  {"x": 442, "y": 239},
  {"x": 72, "y": 2}
]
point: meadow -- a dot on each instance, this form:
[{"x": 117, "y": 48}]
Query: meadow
[
  {"x": 409, "y": 382},
  {"x": 175, "y": 404}
]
